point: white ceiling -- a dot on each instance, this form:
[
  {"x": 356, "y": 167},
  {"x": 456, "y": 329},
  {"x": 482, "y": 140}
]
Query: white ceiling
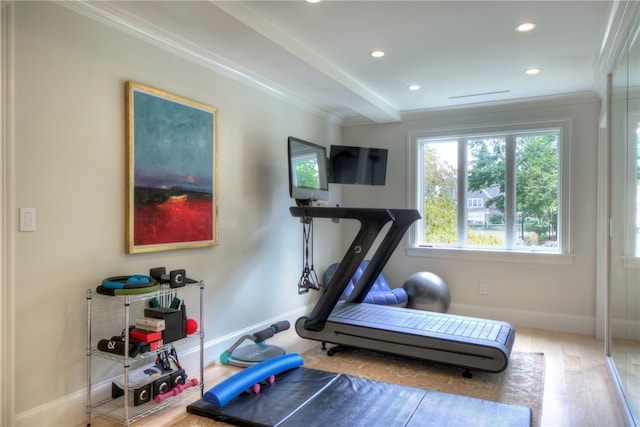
[{"x": 459, "y": 52}]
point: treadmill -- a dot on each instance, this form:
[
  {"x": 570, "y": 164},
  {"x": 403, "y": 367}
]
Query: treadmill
[{"x": 468, "y": 342}]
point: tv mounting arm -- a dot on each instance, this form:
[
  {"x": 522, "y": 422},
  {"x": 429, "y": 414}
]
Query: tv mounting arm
[{"x": 372, "y": 222}]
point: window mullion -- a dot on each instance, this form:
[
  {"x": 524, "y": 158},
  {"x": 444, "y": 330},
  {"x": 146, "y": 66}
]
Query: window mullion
[
  {"x": 419, "y": 194},
  {"x": 462, "y": 192},
  {"x": 510, "y": 191}
]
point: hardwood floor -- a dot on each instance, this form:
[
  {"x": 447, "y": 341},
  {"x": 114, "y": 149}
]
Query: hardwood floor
[
  {"x": 578, "y": 390},
  {"x": 626, "y": 352}
]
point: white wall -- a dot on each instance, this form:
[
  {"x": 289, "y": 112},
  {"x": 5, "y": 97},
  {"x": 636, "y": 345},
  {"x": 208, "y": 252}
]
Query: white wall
[
  {"x": 550, "y": 296},
  {"x": 69, "y": 147}
]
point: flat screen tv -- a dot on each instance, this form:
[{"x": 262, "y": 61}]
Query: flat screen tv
[
  {"x": 308, "y": 177},
  {"x": 358, "y": 165}
]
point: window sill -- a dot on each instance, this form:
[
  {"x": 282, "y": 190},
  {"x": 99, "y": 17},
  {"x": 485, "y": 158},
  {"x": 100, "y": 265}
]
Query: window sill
[{"x": 458, "y": 254}]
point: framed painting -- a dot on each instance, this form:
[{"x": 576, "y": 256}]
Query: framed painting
[{"x": 172, "y": 185}]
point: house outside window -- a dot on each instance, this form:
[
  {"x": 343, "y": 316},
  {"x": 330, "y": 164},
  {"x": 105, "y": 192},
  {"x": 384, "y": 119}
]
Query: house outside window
[
  {"x": 497, "y": 189},
  {"x": 475, "y": 202}
]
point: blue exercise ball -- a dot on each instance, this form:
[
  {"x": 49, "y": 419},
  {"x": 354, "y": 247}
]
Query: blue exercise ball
[{"x": 427, "y": 291}]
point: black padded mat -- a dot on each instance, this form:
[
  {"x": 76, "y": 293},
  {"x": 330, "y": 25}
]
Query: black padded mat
[
  {"x": 309, "y": 397},
  {"x": 355, "y": 401},
  {"x": 452, "y": 410},
  {"x": 273, "y": 404}
]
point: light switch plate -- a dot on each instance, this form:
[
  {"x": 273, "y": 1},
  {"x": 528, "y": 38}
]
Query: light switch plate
[{"x": 27, "y": 219}]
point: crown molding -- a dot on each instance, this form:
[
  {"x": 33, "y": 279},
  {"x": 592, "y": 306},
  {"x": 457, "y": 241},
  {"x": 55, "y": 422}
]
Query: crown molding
[
  {"x": 488, "y": 107},
  {"x": 110, "y": 14},
  {"x": 616, "y": 36}
]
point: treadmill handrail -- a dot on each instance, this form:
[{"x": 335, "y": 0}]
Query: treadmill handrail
[{"x": 372, "y": 222}]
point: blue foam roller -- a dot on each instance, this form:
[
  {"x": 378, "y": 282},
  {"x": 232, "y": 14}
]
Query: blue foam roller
[{"x": 228, "y": 389}]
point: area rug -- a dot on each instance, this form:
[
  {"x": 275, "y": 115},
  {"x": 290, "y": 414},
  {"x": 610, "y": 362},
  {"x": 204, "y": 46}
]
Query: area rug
[{"x": 522, "y": 383}]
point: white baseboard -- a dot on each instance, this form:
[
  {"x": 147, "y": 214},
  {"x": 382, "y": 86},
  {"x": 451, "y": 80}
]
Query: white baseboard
[
  {"x": 584, "y": 325},
  {"x": 70, "y": 410}
]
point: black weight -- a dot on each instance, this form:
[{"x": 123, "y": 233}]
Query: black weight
[
  {"x": 157, "y": 273},
  {"x": 117, "y": 347},
  {"x": 178, "y": 377},
  {"x": 162, "y": 385},
  {"x": 177, "y": 278}
]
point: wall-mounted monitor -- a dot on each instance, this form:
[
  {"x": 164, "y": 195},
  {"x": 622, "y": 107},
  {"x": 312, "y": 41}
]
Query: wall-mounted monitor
[
  {"x": 308, "y": 174},
  {"x": 358, "y": 165}
]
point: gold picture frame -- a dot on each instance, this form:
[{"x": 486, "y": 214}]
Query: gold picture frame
[{"x": 172, "y": 171}]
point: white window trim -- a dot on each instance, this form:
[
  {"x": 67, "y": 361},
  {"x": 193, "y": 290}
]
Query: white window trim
[{"x": 565, "y": 125}]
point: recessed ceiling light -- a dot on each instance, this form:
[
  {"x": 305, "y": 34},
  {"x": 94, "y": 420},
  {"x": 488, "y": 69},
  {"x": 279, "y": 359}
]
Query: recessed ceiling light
[
  {"x": 314, "y": 1},
  {"x": 377, "y": 53},
  {"x": 413, "y": 87},
  {"x": 532, "y": 71},
  {"x": 526, "y": 26}
]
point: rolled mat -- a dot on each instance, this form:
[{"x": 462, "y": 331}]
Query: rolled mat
[{"x": 228, "y": 389}]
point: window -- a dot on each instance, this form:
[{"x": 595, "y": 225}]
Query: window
[
  {"x": 497, "y": 189},
  {"x": 475, "y": 203}
]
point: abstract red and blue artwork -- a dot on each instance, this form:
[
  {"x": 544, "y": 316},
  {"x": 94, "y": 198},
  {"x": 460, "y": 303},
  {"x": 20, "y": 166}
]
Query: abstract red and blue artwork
[{"x": 171, "y": 171}]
